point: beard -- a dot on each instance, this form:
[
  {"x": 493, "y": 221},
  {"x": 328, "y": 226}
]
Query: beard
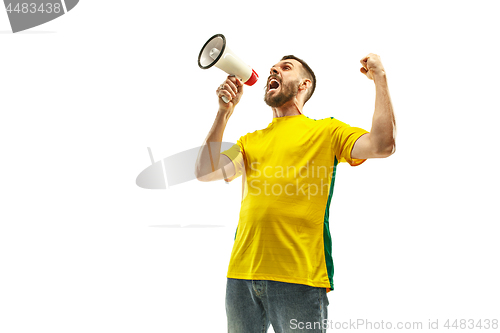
[{"x": 287, "y": 92}]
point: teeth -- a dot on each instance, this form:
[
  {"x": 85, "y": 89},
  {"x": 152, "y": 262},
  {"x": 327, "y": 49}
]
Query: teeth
[{"x": 271, "y": 84}]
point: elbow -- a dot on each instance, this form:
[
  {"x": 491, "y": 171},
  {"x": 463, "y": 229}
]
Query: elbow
[
  {"x": 387, "y": 150},
  {"x": 202, "y": 176},
  {"x": 203, "y": 179},
  {"x": 198, "y": 174}
]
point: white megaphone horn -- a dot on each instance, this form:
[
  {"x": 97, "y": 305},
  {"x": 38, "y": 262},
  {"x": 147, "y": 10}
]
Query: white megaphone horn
[{"x": 215, "y": 52}]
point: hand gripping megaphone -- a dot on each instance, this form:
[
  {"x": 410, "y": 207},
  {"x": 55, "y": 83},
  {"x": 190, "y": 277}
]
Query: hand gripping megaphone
[{"x": 215, "y": 52}]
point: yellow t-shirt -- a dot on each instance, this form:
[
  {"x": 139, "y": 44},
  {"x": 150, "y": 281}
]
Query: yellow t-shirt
[{"x": 288, "y": 173}]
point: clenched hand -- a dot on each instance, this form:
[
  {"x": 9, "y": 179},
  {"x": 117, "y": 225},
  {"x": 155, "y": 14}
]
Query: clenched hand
[{"x": 372, "y": 65}]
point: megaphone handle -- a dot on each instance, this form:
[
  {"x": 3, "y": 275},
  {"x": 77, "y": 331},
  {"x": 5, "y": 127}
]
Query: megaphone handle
[{"x": 224, "y": 98}]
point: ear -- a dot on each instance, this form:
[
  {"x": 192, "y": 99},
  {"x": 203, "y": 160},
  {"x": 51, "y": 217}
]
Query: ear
[{"x": 305, "y": 84}]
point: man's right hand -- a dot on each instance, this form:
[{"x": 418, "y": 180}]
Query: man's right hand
[{"x": 232, "y": 88}]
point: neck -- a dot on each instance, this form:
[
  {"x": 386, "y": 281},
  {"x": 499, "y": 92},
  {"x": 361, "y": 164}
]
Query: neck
[{"x": 290, "y": 108}]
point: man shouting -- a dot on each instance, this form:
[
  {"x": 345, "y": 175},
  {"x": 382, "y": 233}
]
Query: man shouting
[{"x": 281, "y": 264}]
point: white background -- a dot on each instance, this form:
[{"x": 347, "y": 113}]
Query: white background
[{"x": 83, "y": 249}]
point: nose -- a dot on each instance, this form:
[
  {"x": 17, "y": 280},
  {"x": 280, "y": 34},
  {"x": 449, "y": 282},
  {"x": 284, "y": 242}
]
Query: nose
[{"x": 273, "y": 71}]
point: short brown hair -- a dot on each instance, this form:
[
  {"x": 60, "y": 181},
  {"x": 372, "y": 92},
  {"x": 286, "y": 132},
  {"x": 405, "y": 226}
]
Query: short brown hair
[{"x": 308, "y": 73}]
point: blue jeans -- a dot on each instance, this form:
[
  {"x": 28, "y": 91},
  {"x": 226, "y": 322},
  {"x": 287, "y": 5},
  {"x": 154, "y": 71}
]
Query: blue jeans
[{"x": 252, "y": 305}]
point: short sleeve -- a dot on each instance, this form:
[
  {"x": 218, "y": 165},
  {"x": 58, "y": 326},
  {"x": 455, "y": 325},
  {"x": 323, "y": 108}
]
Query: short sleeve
[
  {"x": 343, "y": 139},
  {"x": 236, "y": 155}
]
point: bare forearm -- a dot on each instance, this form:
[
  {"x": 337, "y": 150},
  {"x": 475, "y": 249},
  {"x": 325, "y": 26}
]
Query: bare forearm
[
  {"x": 381, "y": 141},
  {"x": 383, "y": 131},
  {"x": 208, "y": 157}
]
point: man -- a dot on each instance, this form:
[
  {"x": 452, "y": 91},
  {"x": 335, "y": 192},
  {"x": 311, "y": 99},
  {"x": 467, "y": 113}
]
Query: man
[{"x": 281, "y": 264}]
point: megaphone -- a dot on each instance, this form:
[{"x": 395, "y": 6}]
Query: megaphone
[{"x": 215, "y": 52}]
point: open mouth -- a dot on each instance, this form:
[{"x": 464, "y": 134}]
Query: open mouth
[{"x": 273, "y": 85}]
